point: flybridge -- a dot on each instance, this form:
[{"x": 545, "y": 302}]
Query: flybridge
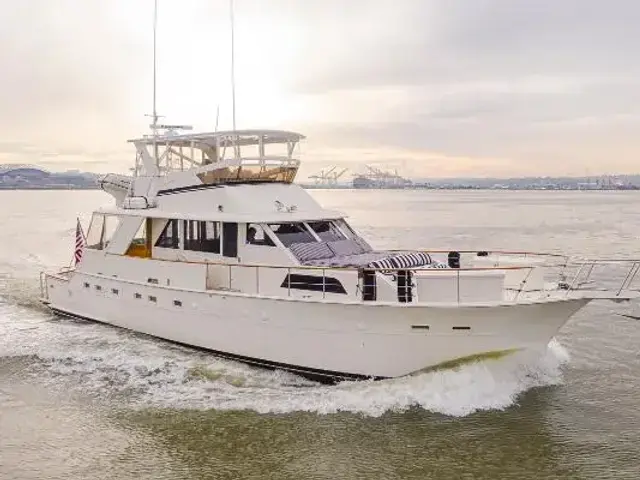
[{"x": 221, "y": 157}]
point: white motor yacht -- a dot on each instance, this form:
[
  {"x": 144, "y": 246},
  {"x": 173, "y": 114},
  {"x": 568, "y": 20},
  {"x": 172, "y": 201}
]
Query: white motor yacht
[{"x": 211, "y": 244}]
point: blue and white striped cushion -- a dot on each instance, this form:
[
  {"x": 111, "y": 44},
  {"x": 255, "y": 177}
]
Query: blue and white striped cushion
[
  {"x": 403, "y": 260},
  {"x": 311, "y": 251}
]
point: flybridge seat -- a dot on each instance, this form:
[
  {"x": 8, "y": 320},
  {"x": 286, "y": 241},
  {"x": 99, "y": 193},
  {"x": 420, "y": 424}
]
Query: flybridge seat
[{"x": 351, "y": 253}]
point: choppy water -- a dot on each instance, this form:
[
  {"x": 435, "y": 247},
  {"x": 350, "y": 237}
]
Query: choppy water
[{"x": 84, "y": 401}]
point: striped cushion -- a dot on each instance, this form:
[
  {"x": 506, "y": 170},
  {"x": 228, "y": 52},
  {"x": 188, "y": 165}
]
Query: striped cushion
[
  {"x": 403, "y": 260},
  {"x": 310, "y": 251}
]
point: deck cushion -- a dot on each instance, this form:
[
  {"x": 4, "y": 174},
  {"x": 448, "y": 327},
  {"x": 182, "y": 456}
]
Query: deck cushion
[
  {"x": 403, "y": 260},
  {"x": 306, "y": 252}
]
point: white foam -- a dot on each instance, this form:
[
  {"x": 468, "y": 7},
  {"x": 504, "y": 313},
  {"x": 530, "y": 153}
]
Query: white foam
[{"x": 104, "y": 362}]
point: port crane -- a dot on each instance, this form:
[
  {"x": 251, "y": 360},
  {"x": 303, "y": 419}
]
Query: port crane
[{"x": 329, "y": 176}]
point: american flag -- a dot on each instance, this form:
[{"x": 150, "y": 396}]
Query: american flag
[{"x": 77, "y": 254}]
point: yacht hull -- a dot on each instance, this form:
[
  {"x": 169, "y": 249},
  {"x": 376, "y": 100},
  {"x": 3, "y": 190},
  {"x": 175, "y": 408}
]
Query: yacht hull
[{"x": 322, "y": 340}]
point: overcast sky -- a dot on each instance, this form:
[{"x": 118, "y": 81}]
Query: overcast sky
[{"x": 432, "y": 87}]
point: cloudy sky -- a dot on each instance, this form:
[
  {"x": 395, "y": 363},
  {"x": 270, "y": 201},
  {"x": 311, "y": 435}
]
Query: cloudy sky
[{"x": 435, "y": 88}]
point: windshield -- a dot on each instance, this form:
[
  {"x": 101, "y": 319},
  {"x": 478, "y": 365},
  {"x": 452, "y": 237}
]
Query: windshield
[
  {"x": 327, "y": 231},
  {"x": 289, "y": 233}
]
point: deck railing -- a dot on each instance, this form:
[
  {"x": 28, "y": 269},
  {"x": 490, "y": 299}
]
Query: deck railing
[
  {"x": 560, "y": 274},
  {"x": 564, "y": 277}
]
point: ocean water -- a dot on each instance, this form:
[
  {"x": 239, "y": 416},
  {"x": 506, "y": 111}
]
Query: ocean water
[{"x": 83, "y": 401}]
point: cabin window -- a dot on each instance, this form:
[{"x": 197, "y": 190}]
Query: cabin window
[
  {"x": 257, "y": 236},
  {"x": 101, "y": 230},
  {"x": 289, "y": 233},
  {"x": 327, "y": 231},
  {"x": 201, "y": 236},
  {"x": 140, "y": 245},
  {"x": 169, "y": 238},
  {"x": 230, "y": 239},
  {"x": 313, "y": 283}
]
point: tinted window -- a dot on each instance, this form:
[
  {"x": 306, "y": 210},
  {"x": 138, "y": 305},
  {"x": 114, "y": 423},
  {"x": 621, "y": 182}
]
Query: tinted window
[
  {"x": 289, "y": 233},
  {"x": 169, "y": 238},
  {"x": 257, "y": 236},
  {"x": 201, "y": 236},
  {"x": 327, "y": 231},
  {"x": 230, "y": 239}
]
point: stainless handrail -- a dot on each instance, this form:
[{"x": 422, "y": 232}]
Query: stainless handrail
[
  {"x": 322, "y": 283},
  {"x": 523, "y": 283}
]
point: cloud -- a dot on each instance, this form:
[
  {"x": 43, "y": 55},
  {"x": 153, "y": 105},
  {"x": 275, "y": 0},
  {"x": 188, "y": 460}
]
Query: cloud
[
  {"x": 477, "y": 87},
  {"x": 65, "y": 69},
  {"x": 548, "y": 85}
]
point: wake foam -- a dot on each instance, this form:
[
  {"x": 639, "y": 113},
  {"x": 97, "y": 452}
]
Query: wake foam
[{"x": 110, "y": 364}]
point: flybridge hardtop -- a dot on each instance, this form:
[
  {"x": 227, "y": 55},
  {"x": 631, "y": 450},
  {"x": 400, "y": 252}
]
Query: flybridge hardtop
[
  {"x": 221, "y": 138},
  {"x": 260, "y": 155},
  {"x": 171, "y": 162}
]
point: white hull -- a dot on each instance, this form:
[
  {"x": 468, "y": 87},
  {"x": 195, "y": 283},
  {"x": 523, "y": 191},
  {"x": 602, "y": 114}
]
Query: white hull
[{"x": 314, "y": 337}]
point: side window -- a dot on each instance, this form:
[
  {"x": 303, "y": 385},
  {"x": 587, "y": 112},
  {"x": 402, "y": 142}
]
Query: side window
[
  {"x": 101, "y": 230},
  {"x": 169, "y": 237},
  {"x": 141, "y": 242},
  {"x": 257, "y": 236},
  {"x": 201, "y": 236},
  {"x": 230, "y": 239},
  {"x": 327, "y": 231}
]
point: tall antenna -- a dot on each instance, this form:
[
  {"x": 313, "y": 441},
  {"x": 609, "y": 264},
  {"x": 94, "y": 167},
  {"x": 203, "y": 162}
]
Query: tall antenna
[
  {"x": 155, "y": 27},
  {"x": 233, "y": 74},
  {"x": 154, "y": 124}
]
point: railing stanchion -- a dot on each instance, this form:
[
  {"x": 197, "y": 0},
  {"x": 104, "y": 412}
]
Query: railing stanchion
[
  {"x": 523, "y": 283},
  {"x": 586, "y": 278},
  {"x": 575, "y": 279},
  {"x": 323, "y": 284},
  {"x": 629, "y": 278},
  {"x": 637, "y": 265},
  {"x": 229, "y": 276},
  {"x": 289, "y": 281}
]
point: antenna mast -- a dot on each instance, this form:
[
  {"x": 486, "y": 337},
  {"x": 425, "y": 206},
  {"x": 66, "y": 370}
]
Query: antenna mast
[
  {"x": 233, "y": 75},
  {"x": 154, "y": 123},
  {"x": 155, "y": 27}
]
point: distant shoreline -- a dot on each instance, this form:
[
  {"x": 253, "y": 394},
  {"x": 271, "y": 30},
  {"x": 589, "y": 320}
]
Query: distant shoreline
[
  {"x": 468, "y": 188},
  {"x": 51, "y": 187}
]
